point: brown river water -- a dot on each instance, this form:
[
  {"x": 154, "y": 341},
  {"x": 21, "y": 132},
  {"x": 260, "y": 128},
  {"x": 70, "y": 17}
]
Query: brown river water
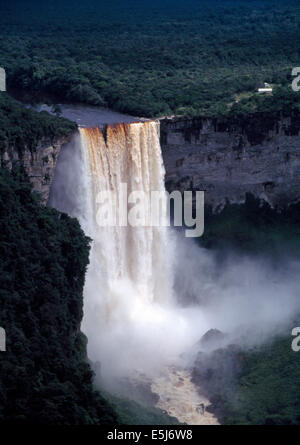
[{"x": 180, "y": 398}]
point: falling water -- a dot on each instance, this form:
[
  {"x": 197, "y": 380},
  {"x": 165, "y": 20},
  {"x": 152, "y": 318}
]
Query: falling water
[
  {"x": 129, "y": 287},
  {"x": 133, "y": 323},
  {"x": 129, "y": 154}
]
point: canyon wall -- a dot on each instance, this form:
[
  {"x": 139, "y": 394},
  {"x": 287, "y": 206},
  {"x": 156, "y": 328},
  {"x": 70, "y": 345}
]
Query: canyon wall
[
  {"x": 227, "y": 159},
  {"x": 39, "y": 162}
]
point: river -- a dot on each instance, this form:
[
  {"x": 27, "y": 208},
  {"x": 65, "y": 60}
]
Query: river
[
  {"x": 180, "y": 398},
  {"x": 89, "y": 116}
]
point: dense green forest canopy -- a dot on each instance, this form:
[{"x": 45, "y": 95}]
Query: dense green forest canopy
[
  {"x": 256, "y": 386},
  {"x": 268, "y": 386},
  {"x": 21, "y": 127},
  {"x": 149, "y": 58}
]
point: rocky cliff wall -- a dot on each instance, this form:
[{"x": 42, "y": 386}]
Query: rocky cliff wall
[
  {"x": 260, "y": 155},
  {"x": 39, "y": 163}
]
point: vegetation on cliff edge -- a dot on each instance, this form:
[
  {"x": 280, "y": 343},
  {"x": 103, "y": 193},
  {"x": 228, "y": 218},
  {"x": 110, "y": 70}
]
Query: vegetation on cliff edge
[{"x": 21, "y": 127}]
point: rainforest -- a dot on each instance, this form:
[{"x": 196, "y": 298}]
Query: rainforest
[{"x": 115, "y": 325}]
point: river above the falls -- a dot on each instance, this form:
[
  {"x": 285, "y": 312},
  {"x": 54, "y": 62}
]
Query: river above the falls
[{"x": 89, "y": 116}]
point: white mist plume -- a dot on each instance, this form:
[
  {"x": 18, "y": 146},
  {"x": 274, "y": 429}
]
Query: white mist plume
[{"x": 245, "y": 296}]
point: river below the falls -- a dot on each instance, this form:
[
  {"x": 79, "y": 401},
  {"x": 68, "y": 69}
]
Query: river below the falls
[{"x": 179, "y": 397}]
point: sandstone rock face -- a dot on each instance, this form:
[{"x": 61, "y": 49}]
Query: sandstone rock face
[
  {"x": 39, "y": 163},
  {"x": 228, "y": 160}
]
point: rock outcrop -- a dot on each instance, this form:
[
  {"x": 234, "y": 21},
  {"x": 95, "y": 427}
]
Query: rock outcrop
[
  {"x": 260, "y": 156},
  {"x": 39, "y": 163},
  {"x": 212, "y": 339}
]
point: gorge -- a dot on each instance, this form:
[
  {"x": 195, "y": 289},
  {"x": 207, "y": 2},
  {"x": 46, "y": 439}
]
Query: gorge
[
  {"x": 131, "y": 316},
  {"x": 143, "y": 312},
  {"x": 133, "y": 307},
  {"x": 149, "y": 215}
]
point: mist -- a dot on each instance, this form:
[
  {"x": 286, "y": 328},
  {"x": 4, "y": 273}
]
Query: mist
[{"x": 249, "y": 297}]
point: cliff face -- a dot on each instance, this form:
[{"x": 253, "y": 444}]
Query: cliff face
[
  {"x": 226, "y": 159},
  {"x": 33, "y": 139},
  {"x": 229, "y": 159},
  {"x": 39, "y": 163}
]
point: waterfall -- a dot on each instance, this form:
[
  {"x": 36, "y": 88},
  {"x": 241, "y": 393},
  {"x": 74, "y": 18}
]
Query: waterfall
[
  {"x": 129, "y": 281},
  {"x": 134, "y": 325},
  {"x": 128, "y": 154},
  {"x": 131, "y": 316}
]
